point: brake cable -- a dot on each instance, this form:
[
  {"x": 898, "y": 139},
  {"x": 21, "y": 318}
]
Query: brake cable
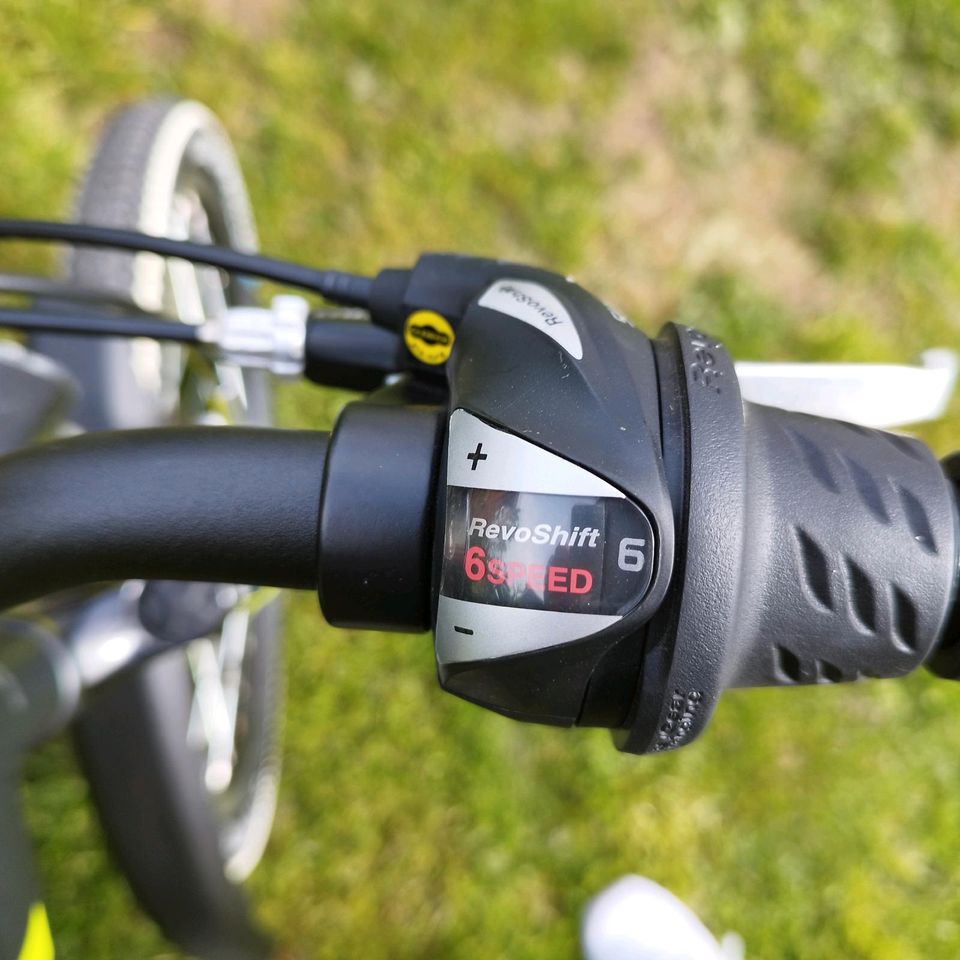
[
  {"x": 349, "y": 289},
  {"x": 83, "y": 323}
]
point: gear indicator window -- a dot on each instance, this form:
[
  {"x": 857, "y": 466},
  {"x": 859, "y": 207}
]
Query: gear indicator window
[{"x": 541, "y": 551}]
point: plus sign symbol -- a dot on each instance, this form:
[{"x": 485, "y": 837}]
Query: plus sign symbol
[{"x": 476, "y": 456}]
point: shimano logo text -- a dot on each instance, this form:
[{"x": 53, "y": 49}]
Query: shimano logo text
[{"x": 550, "y": 317}]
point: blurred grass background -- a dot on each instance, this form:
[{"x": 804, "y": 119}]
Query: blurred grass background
[{"x": 784, "y": 173}]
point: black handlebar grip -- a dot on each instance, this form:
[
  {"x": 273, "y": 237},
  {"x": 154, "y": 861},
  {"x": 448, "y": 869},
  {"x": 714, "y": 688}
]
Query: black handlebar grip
[
  {"x": 849, "y": 554},
  {"x": 809, "y": 550}
]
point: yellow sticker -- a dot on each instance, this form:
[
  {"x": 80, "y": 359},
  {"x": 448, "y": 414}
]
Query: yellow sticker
[
  {"x": 38, "y": 943},
  {"x": 428, "y": 337}
]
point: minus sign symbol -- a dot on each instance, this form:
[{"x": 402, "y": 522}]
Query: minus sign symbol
[{"x": 465, "y": 630}]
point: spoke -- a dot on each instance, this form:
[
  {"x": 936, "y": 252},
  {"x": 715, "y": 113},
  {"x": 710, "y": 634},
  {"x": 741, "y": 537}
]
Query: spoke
[
  {"x": 217, "y": 662},
  {"x": 232, "y": 387},
  {"x": 183, "y": 276},
  {"x": 233, "y": 650},
  {"x": 210, "y": 724},
  {"x": 218, "y": 679}
]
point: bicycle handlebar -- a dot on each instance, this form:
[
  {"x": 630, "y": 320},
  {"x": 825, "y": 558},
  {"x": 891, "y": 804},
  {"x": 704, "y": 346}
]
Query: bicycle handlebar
[
  {"x": 234, "y": 505},
  {"x": 350, "y": 516},
  {"x": 598, "y": 529}
]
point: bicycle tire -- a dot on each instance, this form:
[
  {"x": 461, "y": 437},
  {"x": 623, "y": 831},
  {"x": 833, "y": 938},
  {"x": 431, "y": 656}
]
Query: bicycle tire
[{"x": 183, "y": 854}]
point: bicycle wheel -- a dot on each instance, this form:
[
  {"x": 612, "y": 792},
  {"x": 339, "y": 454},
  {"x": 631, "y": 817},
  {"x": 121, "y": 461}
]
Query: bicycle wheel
[{"x": 181, "y": 754}]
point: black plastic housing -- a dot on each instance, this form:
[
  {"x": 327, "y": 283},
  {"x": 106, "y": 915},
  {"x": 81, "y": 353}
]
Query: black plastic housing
[
  {"x": 376, "y": 517},
  {"x": 349, "y": 354},
  {"x": 787, "y": 549},
  {"x": 599, "y": 411}
]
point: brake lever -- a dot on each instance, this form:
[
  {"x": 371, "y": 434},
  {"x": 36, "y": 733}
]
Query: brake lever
[{"x": 870, "y": 394}]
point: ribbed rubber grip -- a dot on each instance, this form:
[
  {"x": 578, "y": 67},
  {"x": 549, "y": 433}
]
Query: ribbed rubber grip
[{"x": 849, "y": 553}]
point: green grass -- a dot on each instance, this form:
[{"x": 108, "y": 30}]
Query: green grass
[{"x": 785, "y": 173}]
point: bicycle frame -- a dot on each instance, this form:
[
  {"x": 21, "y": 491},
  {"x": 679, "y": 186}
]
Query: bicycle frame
[
  {"x": 44, "y": 670},
  {"x": 39, "y": 693}
]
